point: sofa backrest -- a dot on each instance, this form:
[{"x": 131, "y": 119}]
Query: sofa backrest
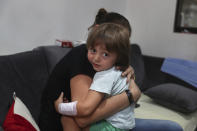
[
  {"x": 53, "y": 54},
  {"x": 137, "y": 62}
]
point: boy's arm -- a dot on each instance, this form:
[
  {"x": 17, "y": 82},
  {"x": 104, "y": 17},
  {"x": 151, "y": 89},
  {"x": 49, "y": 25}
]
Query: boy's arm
[
  {"x": 89, "y": 104},
  {"x": 79, "y": 89},
  {"x": 83, "y": 107},
  {"x": 103, "y": 83},
  {"x": 110, "y": 106}
]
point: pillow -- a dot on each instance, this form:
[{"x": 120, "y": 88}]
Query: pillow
[
  {"x": 174, "y": 96},
  {"x": 19, "y": 118}
]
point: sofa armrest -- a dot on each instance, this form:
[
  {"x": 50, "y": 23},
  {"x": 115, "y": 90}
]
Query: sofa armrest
[
  {"x": 1, "y": 129},
  {"x": 152, "y": 67},
  {"x": 26, "y": 74}
]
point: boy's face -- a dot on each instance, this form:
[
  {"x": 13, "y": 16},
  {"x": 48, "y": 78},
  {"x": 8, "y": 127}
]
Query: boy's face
[{"x": 100, "y": 58}]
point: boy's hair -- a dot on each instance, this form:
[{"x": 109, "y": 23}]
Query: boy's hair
[
  {"x": 111, "y": 17},
  {"x": 115, "y": 38}
]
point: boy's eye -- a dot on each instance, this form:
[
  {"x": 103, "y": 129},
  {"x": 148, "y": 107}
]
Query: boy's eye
[
  {"x": 92, "y": 50},
  {"x": 105, "y": 54}
]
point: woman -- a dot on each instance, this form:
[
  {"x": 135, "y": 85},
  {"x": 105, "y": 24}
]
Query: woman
[{"x": 73, "y": 75}]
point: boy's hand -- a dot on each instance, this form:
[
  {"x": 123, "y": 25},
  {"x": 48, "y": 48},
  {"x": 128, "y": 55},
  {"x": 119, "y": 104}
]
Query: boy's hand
[{"x": 59, "y": 100}]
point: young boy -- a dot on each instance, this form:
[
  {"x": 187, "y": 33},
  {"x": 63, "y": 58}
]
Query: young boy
[{"x": 108, "y": 46}]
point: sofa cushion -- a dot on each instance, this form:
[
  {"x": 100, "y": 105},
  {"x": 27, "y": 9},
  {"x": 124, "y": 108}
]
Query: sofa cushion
[{"x": 174, "y": 96}]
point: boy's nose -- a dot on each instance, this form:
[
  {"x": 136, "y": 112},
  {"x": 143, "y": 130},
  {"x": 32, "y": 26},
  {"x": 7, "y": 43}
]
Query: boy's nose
[{"x": 96, "y": 58}]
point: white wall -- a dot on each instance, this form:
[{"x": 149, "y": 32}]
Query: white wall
[
  {"x": 25, "y": 24},
  {"x": 152, "y": 22}
]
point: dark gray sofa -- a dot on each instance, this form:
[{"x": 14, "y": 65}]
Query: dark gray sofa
[{"x": 26, "y": 73}]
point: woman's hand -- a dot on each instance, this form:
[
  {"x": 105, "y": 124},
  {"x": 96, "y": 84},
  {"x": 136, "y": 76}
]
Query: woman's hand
[
  {"x": 136, "y": 93},
  {"x": 129, "y": 73},
  {"x": 58, "y": 101}
]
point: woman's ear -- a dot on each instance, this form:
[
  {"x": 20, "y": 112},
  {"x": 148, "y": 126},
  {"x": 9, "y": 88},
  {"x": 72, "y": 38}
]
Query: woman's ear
[
  {"x": 96, "y": 25},
  {"x": 93, "y": 26}
]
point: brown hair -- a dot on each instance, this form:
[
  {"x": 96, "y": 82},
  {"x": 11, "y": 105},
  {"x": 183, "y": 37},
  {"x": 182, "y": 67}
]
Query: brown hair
[
  {"x": 115, "y": 38},
  {"x": 111, "y": 17}
]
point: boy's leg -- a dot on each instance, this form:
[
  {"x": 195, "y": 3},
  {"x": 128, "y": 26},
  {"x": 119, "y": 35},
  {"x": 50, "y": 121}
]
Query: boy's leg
[{"x": 103, "y": 125}]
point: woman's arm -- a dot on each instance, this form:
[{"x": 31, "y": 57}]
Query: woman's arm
[{"x": 79, "y": 89}]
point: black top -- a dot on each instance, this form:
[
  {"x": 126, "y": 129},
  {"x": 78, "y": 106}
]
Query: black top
[{"x": 74, "y": 63}]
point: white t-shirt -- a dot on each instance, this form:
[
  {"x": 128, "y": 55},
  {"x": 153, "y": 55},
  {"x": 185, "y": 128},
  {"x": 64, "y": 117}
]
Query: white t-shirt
[{"x": 112, "y": 83}]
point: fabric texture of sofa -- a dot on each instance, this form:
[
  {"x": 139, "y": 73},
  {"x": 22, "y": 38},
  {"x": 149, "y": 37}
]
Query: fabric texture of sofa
[{"x": 26, "y": 73}]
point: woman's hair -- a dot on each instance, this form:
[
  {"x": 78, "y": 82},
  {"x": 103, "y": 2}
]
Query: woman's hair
[
  {"x": 111, "y": 17},
  {"x": 115, "y": 37}
]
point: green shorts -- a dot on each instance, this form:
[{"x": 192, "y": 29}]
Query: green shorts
[{"x": 104, "y": 126}]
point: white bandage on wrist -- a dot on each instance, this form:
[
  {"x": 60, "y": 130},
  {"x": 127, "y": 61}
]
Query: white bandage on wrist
[{"x": 69, "y": 109}]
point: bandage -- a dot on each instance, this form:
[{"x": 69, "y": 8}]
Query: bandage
[{"x": 69, "y": 109}]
